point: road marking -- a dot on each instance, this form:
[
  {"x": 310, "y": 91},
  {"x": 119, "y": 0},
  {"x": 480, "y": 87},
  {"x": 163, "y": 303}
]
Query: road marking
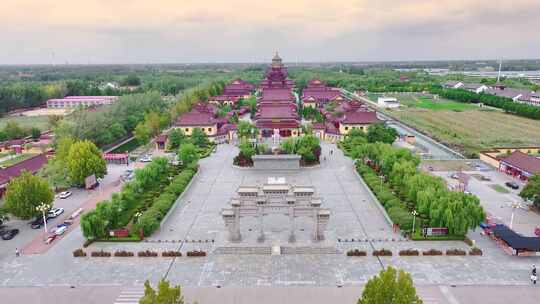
[
  {"x": 448, "y": 295},
  {"x": 130, "y": 295}
]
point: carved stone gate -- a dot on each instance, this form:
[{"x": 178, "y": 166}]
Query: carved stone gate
[{"x": 275, "y": 198}]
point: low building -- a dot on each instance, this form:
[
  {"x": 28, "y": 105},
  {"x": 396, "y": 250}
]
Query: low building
[
  {"x": 32, "y": 165},
  {"x": 316, "y": 94},
  {"x": 71, "y": 102},
  {"x": 474, "y": 87},
  {"x": 513, "y": 94},
  {"x": 357, "y": 120},
  {"x": 199, "y": 117},
  {"x": 223, "y": 100},
  {"x": 494, "y": 156},
  {"x": 388, "y": 102},
  {"x": 520, "y": 165},
  {"x": 451, "y": 84}
]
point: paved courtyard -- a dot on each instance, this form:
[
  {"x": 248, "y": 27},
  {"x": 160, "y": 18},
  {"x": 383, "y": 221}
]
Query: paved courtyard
[{"x": 356, "y": 222}]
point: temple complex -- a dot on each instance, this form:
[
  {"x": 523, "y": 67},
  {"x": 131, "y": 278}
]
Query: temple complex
[
  {"x": 233, "y": 92},
  {"x": 276, "y": 107},
  {"x": 316, "y": 94}
]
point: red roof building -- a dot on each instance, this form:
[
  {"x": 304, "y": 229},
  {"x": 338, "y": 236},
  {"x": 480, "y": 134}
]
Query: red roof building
[
  {"x": 276, "y": 108},
  {"x": 520, "y": 165},
  {"x": 31, "y": 165},
  {"x": 317, "y": 94},
  {"x": 239, "y": 88}
]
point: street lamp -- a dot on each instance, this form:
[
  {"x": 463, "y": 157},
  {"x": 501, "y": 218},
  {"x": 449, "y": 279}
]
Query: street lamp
[
  {"x": 381, "y": 177},
  {"x": 414, "y": 214},
  {"x": 42, "y": 207}
]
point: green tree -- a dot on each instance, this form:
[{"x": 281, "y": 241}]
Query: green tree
[
  {"x": 289, "y": 145},
  {"x": 85, "y": 159},
  {"x": 176, "y": 138},
  {"x": 246, "y": 149},
  {"x": 245, "y": 129},
  {"x": 35, "y": 133},
  {"x": 142, "y": 133},
  {"x": 532, "y": 190},
  {"x": 390, "y": 287},
  {"x": 165, "y": 294},
  {"x": 13, "y": 130},
  {"x": 25, "y": 193},
  {"x": 199, "y": 138},
  {"x": 93, "y": 225},
  {"x": 381, "y": 133},
  {"x": 308, "y": 147},
  {"x": 188, "y": 153},
  {"x": 131, "y": 80}
]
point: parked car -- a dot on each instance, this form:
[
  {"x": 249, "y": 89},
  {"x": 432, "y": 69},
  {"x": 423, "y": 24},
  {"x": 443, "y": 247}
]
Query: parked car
[
  {"x": 9, "y": 234},
  {"x": 38, "y": 222},
  {"x": 146, "y": 159},
  {"x": 60, "y": 229},
  {"x": 485, "y": 178},
  {"x": 512, "y": 185},
  {"x": 65, "y": 194},
  {"x": 54, "y": 212}
]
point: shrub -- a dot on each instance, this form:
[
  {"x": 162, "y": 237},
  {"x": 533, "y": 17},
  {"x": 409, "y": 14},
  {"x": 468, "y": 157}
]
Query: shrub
[
  {"x": 79, "y": 253},
  {"x": 171, "y": 254},
  {"x": 432, "y": 252},
  {"x": 455, "y": 252},
  {"x": 147, "y": 253},
  {"x": 87, "y": 243},
  {"x": 123, "y": 253},
  {"x": 101, "y": 253},
  {"x": 468, "y": 241},
  {"x": 409, "y": 252},
  {"x": 475, "y": 251},
  {"x": 382, "y": 252},
  {"x": 356, "y": 252},
  {"x": 196, "y": 253}
]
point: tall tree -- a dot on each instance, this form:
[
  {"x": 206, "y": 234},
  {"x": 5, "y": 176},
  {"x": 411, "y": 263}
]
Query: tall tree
[
  {"x": 199, "y": 138},
  {"x": 165, "y": 294},
  {"x": 532, "y": 190},
  {"x": 25, "y": 193},
  {"x": 188, "y": 153},
  {"x": 176, "y": 137},
  {"x": 390, "y": 287},
  {"x": 381, "y": 133},
  {"x": 85, "y": 159}
]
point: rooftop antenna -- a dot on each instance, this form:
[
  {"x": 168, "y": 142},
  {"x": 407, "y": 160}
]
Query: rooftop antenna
[{"x": 499, "y": 74}]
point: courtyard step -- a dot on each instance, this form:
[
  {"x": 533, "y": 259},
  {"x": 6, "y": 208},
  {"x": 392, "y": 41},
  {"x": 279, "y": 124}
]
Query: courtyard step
[
  {"x": 309, "y": 250},
  {"x": 267, "y": 250}
]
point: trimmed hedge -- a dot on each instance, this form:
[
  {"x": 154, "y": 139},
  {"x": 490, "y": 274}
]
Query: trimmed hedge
[
  {"x": 171, "y": 254},
  {"x": 382, "y": 252},
  {"x": 455, "y": 252},
  {"x": 79, "y": 253},
  {"x": 356, "y": 252},
  {"x": 409, "y": 252},
  {"x": 432, "y": 252},
  {"x": 147, "y": 253},
  {"x": 475, "y": 251},
  {"x": 150, "y": 220},
  {"x": 123, "y": 253},
  {"x": 101, "y": 253}
]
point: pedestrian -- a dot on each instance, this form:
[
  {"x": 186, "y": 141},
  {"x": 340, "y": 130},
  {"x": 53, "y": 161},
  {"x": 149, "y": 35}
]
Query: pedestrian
[
  {"x": 332, "y": 152},
  {"x": 17, "y": 253},
  {"x": 533, "y": 274}
]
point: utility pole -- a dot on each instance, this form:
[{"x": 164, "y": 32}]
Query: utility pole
[{"x": 499, "y": 74}]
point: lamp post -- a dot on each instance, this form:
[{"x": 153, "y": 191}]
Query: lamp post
[
  {"x": 381, "y": 177},
  {"x": 42, "y": 207},
  {"x": 414, "y": 214}
]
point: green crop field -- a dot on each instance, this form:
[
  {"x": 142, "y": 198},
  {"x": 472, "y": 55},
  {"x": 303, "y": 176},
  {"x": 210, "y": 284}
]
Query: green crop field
[
  {"x": 425, "y": 102},
  {"x": 472, "y": 130},
  {"x": 40, "y": 122}
]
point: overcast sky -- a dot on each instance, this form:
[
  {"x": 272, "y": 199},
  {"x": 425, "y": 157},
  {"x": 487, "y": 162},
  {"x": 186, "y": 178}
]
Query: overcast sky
[{"x": 176, "y": 31}]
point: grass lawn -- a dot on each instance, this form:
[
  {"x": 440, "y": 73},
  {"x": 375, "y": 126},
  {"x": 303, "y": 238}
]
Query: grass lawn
[
  {"x": 127, "y": 147},
  {"x": 17, "y": 159},
  {"x": 499, "y": 188},
  {"x": 472, "y": 130},
  {"x": 424, "y": 102},
  {"x": 40, "y": 122}
]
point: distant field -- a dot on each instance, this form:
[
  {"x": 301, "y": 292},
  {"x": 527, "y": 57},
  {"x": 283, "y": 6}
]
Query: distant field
[
  {"x": 473, "y": 130},
  {"x": 16, "y": 159},
  {"x": 423, "y": 102},
  {"x": 40, "y": 122}
]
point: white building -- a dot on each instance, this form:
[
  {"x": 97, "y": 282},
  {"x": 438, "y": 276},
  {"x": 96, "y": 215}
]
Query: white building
[
  {"x": 388, "y": 102},
  {"x": 84, "y": 101}
]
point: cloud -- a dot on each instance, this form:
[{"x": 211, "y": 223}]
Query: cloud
[{"x": 241, "y": 30}]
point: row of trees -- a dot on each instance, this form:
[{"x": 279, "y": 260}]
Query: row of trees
[
  {"x": 428, "y": 195},
  {"x": 24, "y": 95},
  {"x": 12, "y": 130},
  {"x": 307, "y": 146},
  {"x": 503, "y": 103},
  {"x": 120, "y": 209},
  {"x": 111, "y": 123}
]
